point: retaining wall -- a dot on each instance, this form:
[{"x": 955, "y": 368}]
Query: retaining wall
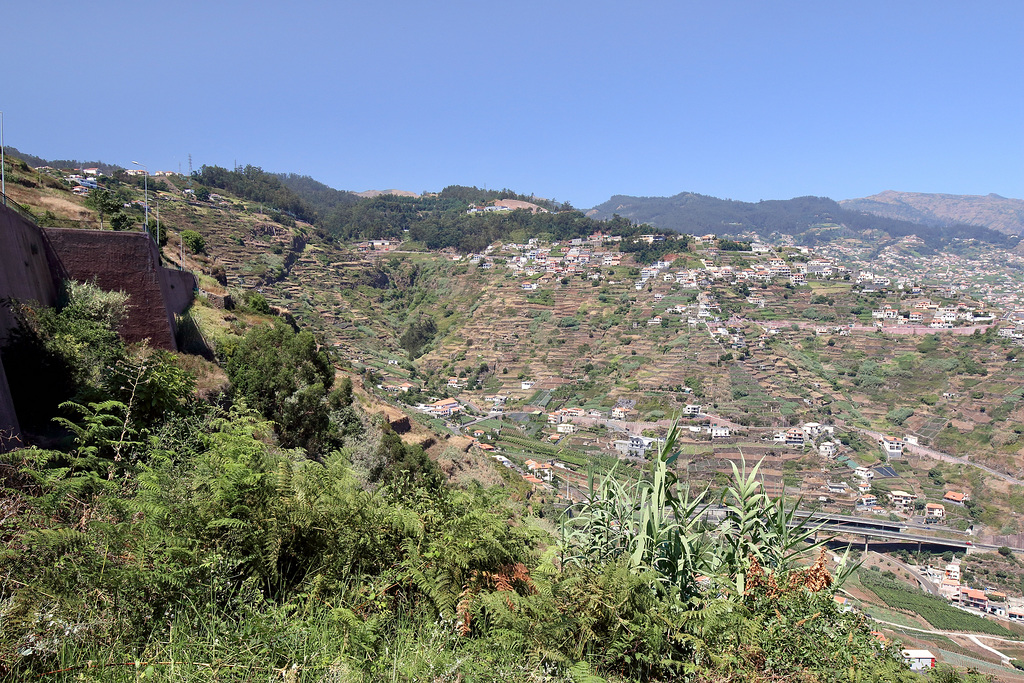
[{"x": 34, "y": 261}]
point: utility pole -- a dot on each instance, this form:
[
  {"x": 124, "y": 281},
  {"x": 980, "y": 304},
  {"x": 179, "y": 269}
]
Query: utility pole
[
  {"x": 146, "y": 181},
  {"x": 3, "y": 164}
]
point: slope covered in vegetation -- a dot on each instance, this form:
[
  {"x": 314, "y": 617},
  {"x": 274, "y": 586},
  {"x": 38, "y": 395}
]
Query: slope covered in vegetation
[
  {"x": 176, "y": 538},
  {"x": 698, "y": 214}
]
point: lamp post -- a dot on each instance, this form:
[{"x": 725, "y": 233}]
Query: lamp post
[
  {"x": 3, "y": 166},
  {"x": 145, "y": 176}
]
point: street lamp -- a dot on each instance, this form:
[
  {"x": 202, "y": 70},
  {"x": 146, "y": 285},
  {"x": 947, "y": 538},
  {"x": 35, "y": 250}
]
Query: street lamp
[
  {"x": 3, "y": 168},
  {"x": 146, "y": 177}
]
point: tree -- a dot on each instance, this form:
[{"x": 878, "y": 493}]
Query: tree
[
  {"x": 195, "y": 242},
  {"x": 287, "y": 377},
  {"x": 121, "y": 221},
  {"x": 102, "y": 201}
]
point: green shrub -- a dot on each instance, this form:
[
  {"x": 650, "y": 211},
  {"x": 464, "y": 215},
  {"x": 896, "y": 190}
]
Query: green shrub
[{"x": 194, "y": 241}]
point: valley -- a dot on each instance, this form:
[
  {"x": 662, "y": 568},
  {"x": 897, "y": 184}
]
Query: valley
[{"x": 868, "y": 379}]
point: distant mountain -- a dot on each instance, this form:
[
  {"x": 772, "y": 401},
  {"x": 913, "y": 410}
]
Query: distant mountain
[
  {"x": 991, "y": 211},
  {"x": 810, "y": 219}
]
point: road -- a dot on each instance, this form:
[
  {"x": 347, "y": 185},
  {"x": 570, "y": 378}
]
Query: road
[
  {"x": 972, "y": 637},
  {"x": 944, "y": 457},
  {"x": 926, "y": 583},
  {"x": 909, "y": 330}
]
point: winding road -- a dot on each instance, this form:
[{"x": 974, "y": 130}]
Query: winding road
[{"x": 944, "y": 457}]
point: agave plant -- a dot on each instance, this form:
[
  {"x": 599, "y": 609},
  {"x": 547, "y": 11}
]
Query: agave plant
[{"x": 655, "y": 524}]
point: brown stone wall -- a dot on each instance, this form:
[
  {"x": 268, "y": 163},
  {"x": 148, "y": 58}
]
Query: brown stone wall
[
  {"x": 27, "y": 274},
  {"x": 179, "y": 289},
  {"x": 121, "y": 261}
]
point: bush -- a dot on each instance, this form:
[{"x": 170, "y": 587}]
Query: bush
[
  {"x": 56, "y": 354},
  {"x": 194, "y": 241},
  {"x": 257, "y": 303},
  {"x": 898, "y": 416}
]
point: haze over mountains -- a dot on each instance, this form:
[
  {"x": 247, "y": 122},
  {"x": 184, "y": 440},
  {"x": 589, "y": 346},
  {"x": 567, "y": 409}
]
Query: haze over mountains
[
  {"x": 812, "y": 219},
  {"x": 992, "y": 211}
]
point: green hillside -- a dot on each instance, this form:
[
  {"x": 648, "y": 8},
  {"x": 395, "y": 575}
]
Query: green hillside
[
  {"x": 699, "y": 214},
  {"x": 264, "y": 517}
]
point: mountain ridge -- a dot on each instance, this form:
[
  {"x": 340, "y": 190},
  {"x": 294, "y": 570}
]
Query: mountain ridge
[
  {"x": 992, "y": 211},
  {"x": 809, "y": 219}
]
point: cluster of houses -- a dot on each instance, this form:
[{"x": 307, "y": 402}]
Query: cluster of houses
[
  {"x": 808, "y": 433},
  {"x": 577, "y": 255},
  {"x": 446, "y": 407},
  {"x": 924, "y": 312},
  {"x": 901, "y": 501},
  {"x": 504, "y": 205},
  {"x": 1016, "y": 333},
  {"x": 575, "y": 259},
  {"x": 796, "y": 273},
  {"x": 988, "y": 601}
]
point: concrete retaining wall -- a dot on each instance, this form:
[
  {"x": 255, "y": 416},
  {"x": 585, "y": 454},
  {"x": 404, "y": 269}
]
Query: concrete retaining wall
[
  {"x": 28, "y": 269},
  {"x": 34, "y": 261}
]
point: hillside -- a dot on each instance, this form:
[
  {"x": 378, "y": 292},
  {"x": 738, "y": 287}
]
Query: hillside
[
  {"x": 990, "y": 211},
  {"x": 811, "y": 220},
  {"x": 552, "y": 317},
  {"x": 370, "y": 194}
]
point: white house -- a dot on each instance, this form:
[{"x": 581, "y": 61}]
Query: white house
[
  {"x": 864, "y": 472},
  {"x": 867, "y": 501},
  {"x": 901, "y": 499},
  {"x": 919, "y": 660},
  {"x": 892, "y": 446},
  {"x": 718, "y": 431}
]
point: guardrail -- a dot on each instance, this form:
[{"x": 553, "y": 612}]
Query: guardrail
[{"x": 15, "y": 206}]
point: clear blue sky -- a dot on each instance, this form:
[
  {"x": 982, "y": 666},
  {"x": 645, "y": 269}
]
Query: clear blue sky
[{"x": 572, "y": 100}]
